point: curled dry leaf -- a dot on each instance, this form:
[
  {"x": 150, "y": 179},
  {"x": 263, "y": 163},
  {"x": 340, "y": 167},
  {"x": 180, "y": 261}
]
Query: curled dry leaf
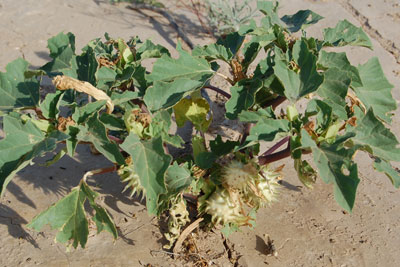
[{"x": 66, "y": 82}]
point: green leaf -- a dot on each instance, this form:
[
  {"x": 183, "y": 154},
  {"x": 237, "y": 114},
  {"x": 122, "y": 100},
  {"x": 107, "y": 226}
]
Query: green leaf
[
  {"x": 163, "y": 95},
  {"x": 267, "y": 129},
  {"x": 194, "y": 110},
  {"x": 149, "y": 50},
  {"x": 255, "y": 116},
  {"x": 205, "y": 160},
  {"x": 22, "y": 143},
  {"x": 50, "y": 105},
  {"x": 150, "y": 163},
  {"x": 340, "y": 62},
  {"x": 232, "y": 42},
  {"x": 270, "y": 10},
  {"x": 81, "y": 114},
  {"x": 126, "y": 96},
  {"x": 307, "y": 81},
  {"x": 242, "y": 98},
  {"x": 385, "y": 167},
  {"x": 17, "y": 91},
  {"x": 112, "y": 122},
  {"x": 105, "y": 78},
  {"x": 102, "y": 219},
  {"x": 346, "y": 33},
  {"x": 376, "y": 138},
  {"x": 160, "y": 125},
  {"x": 136, "y": 75},
  {"x": 87, "y": 66},
  {"x": 177, "y": 178},
  {"x": 69, "y": 217},
  {"x": 213, "y": 52},
  {"x": 220, "y": 148},
  {"x": 375, "y": 91},
  {"x": 62, "y": 50},
  {"x": 334, "y": 90},
  {"x": 332, "y": 160},
  {"x": 186, "y": 66},
  {"x": 301, "y": 20},
  {"x": 95, "y": 132}
]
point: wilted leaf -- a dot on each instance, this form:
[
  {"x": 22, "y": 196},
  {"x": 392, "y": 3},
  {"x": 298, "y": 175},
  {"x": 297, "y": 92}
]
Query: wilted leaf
[{"x": 194, "y": 110}]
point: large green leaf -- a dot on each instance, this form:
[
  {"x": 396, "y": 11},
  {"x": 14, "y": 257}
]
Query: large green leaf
[
  {"x": 22, "y": 143},
  {"x": 242, "y": 97},
  {"x": 177, "y": 178},
  {"x": 166, "y": 94},
  {"x": 339, "y": 61},
  {"x": 376, "y": 138},
  {"x": 346, "y": 33},
  {"x": 150, "y": 163},
  {"x": 266, "y": 129},
  {"x": 331, "y": 161},
  {"x": 16, "y": 91},
  {"x": 213, "y": 52},
  {"x": 62, "y": 50},
  {"x": 87, "y": 66},
  {"x": 69, "y": 217},
  {"x": 81, "y": 114},
  {"x": 51, "y": 103},
  {"x": 95, "y": 132},
  {"x": 307, "y": 81},
  {"x": 334, "y": 90},
  {"x": 301, "y": 20},
  {"x": 186, "y": 66},
  {"x": 375, "y": 91}
]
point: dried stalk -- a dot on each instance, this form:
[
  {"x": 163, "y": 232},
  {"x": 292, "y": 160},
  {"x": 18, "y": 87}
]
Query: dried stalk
[{"x": 66, "y": 82}]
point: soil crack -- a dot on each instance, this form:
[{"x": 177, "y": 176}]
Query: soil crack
[{"x": 387, "y": 44}]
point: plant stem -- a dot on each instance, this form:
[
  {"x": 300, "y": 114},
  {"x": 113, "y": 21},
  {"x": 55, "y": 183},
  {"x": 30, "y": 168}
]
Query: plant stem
[
  {"x": 275, "y": 102},
  {"x": 218, "y": 90},
  {"x": 262, "y": 160},
  {"x": 116, "y": 139},
  {"x": 229, "y": 80},
  {"x": 276, "y": 146}
]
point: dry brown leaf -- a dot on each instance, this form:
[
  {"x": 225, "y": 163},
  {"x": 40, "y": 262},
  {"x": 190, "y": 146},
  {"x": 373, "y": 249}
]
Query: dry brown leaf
[{"x": 66, "y": 82}]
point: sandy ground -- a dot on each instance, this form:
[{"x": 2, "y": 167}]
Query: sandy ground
[{"x": 307, "y": 227}]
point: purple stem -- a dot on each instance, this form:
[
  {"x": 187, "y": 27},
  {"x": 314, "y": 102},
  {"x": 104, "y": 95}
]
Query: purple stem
[
  {"x": 218, "y": 90},
  {"x": 276, "y": 146}
]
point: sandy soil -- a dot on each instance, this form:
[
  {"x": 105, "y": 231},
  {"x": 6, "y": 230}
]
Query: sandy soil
[{"x": 307, "y": 228}]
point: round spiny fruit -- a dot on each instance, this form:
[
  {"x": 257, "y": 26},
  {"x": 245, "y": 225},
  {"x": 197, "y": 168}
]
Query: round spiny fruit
[
  {"x": 128, "y": 175},
  {"x": 237, "y": 175},
  {"x": 265, "y": 189},
  {"x": 225, "y": 208}
]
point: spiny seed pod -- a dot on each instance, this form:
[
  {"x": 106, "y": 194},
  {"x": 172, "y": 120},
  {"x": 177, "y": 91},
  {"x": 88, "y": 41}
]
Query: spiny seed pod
[
  {"x": 264, "y": 190},
  {"x": 128, "y": 175},
  {"x": 237, "y": 175},
  {"x": 224, "y": 207}
]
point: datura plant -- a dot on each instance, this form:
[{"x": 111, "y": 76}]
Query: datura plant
[{"x": 283, "y": 87}]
